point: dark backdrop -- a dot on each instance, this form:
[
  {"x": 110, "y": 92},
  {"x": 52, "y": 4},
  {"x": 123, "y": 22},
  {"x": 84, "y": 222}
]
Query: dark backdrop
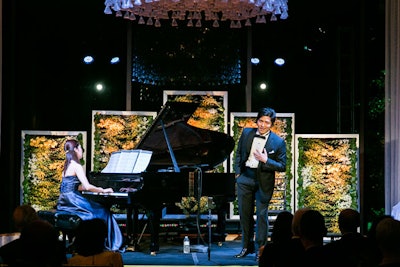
[{"x": 333, "y": 51}]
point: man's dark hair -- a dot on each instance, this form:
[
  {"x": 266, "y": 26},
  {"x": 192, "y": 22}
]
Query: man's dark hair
[
  {"x": 349, "y": 220},
  {"x": 312, "y": 225},
  {"x": 267, "y": 112}
]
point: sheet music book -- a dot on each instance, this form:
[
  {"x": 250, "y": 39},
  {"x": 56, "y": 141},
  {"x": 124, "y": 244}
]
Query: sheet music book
[
  {"x": 128, "y": 161},
  {"x": 258, "y": 144}
]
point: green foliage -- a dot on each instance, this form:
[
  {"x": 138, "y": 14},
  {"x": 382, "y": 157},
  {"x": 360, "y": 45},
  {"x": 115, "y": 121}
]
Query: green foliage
[
  {"x": 289, "y": 161},
  {"x": 26, "y": 171},
  {"x": 327, "y": 176},
  {"x": 300, "y": 164},
  {"x": 376, "y": 105},
  {"x": 374, "y": 160}
]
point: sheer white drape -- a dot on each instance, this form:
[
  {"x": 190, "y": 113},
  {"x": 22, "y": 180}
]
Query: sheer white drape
[{"x": 392, "y": 107}]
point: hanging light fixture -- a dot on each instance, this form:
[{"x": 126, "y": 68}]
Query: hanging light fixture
[{"x": 151, "y": 12}]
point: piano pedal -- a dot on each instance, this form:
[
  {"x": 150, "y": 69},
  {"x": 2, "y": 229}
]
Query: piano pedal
[
  {"x": 130, "y": 249},
  {"x": 154, "y": 248}
]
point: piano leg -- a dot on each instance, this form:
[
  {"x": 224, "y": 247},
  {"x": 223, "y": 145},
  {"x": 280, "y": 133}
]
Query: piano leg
[
  {"x": 154, "y": 216},
  {"x": 222, "y": 207},
  {"x": 132, "y": 226},
  {"x": 130, "y": 234}
]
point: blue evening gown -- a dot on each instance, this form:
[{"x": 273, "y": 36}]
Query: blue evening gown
[{"x": 71, "y": 200}]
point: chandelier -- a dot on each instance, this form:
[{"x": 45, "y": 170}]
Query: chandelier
[{"x": 193, "y": 12}]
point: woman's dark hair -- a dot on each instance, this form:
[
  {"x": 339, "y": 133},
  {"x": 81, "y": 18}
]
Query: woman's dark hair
[
  {"x": 282, "y": 228},
  {"x": 70, "y": 154},
  {"x": 312, "y": 225},
  {"x": 90, "y": 237},
  {"x": 267, "y": 112}
]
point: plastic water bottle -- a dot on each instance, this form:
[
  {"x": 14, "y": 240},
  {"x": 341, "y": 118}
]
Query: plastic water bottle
[{"x": 186, "y": 245}]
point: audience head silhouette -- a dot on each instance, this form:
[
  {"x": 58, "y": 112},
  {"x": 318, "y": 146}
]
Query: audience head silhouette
[
  {"x": 90, "y": 237},
  {"x": 40, "y": 245},
  {"x": 282, "y": 231},
  {"x": 24, "y": 215},
  {"x": 387, "y": 238},
  {"x": 312, "y": 228},
  {"x": 349, "y": 221},
  {"x": 296, "y": 221}
]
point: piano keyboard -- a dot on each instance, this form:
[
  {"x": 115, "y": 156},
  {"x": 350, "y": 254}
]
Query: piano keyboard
[{"x": 114, "y": 194}]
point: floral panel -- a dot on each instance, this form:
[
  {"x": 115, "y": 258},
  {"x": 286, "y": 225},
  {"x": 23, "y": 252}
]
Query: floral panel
[
  {"x": 42, "y": 164},
  {"x": 284, "y": 183},
  {"x": 211, "y": 113},
  {"x": 327, "y": 174},
  {"x": 116, "y": 130}
]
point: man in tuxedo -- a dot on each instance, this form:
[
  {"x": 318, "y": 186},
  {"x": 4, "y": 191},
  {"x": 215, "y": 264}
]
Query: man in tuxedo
[{"x": 260, "y": 152}]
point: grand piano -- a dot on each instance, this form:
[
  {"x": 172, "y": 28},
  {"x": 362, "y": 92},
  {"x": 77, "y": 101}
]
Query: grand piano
[{"x": 182, "y": 164}]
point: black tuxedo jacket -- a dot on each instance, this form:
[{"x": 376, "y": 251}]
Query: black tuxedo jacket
[{"x": 276, "y": 150}]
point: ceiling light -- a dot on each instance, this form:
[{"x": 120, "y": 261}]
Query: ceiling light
[
  {"x": 255, "y": 60},
  {"x": 99, "y": 86},
  {"x": 88, "y": 59},
  {"x": 196, "y": 11},
  {"x": 263, "y": 85},
  {"x": 279, "y": 61},
  {"x": 114, "y": 60}
]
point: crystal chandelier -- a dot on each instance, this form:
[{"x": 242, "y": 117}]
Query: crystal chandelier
[{"x": 151, "y": 12}]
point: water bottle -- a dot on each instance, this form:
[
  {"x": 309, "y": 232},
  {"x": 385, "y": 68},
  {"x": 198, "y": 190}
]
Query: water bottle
[{"x": 186, "y": 245}]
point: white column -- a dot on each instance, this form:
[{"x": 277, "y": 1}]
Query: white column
[{"x": 392, "y": 105}]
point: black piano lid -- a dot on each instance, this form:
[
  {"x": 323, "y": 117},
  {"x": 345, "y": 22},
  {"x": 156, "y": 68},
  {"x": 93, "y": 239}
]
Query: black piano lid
[{"x": 192, "y": 146}]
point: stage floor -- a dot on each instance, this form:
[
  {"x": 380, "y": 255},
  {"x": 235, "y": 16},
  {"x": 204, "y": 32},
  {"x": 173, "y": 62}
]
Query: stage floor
[{"x": 171, "y": 253}]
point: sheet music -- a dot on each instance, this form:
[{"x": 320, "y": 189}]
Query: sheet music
[
  {"x": 128, "y": 161},
  {"x": 112, "y": 162},
  {"x": 142, "y": 161}
]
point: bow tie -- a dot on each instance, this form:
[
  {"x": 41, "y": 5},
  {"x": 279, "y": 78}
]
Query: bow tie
[{"x": 260, "y": 136}]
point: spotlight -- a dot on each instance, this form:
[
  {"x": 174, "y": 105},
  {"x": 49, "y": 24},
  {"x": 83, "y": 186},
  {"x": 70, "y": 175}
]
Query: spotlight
[
  {"x": 88, "y": 60},
  {"x": 279, "y": 61},
  {"x": 255, "y": 60},
  {"x": 263, "y": 86},
  {"x": 99, "y": 87},
  {"x": 114, "y": 60}
]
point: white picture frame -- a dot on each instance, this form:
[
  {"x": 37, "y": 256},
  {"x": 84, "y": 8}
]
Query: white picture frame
[{"x": 42, "y": 162}]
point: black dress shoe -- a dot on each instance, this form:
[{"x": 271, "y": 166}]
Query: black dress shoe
[
  {"x": 260, "y": 251},
  {"x": 244, "y": 252}
]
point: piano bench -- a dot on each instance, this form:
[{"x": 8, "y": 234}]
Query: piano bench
[{"x": 63, "y": 221}]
